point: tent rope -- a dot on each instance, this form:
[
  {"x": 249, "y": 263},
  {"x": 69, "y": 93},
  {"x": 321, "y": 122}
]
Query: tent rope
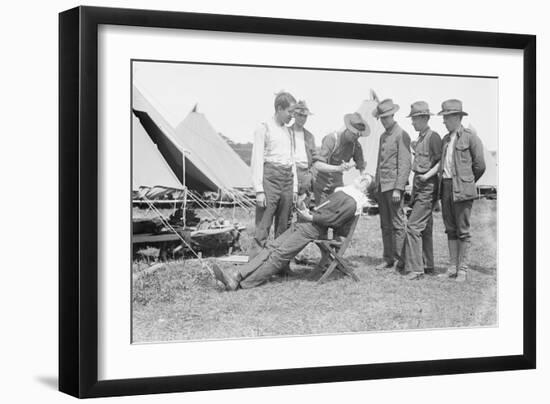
[{"x": 167, "y": 224}]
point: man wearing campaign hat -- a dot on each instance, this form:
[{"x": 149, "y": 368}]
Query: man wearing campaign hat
[
  {"x": 462, "y": 164},
  {"x": 418, "y": 249},
  {"x": 337, "y": 149},
  {"x": 392, "y": 173}
]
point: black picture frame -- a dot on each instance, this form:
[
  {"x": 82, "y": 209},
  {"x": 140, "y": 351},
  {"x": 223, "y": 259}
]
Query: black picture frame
[{"x": 78, "y": 200}]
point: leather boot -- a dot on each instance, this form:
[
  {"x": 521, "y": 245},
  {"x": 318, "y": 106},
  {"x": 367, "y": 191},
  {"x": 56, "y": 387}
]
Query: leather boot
[
  {"x": 453, "y": 258},
  {"x": 462, "y": 264}
]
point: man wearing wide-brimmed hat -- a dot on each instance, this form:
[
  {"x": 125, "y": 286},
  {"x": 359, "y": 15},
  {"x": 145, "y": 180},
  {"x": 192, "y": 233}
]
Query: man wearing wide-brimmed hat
[
  {"x": 418, "y": 250},
  {"x": 392, "y": 173},
  {"x": 337, "y": 149},
  {"x": 304, "y": 149},
  {"x": 273, "y": 172},
  {"x": 462, "y": 164}
]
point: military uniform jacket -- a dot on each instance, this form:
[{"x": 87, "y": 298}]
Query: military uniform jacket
[
  {"x": 427, "y": 151},
  {"x": 468, "y": 163},
  {"x": 394, "y": 160},
  {"x": 338, "y": 211}
]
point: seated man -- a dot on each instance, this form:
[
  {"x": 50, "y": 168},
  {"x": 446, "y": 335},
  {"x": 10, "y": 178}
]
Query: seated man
[{"x": 337, "y": 212}]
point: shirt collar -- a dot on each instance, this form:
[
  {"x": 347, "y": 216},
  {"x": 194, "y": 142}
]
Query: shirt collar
[
  {"x": 424, "y": 132},
  {"x": 458, "y": 131}
]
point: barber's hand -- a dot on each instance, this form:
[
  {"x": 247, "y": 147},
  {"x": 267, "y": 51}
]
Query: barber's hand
[
  {"x": 423, "y": 177},
  {"x": 260, "y": 199},
  {"x": 396, "y": 196}
]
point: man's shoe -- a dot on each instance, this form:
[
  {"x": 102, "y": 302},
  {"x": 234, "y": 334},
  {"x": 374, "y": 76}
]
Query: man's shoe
[
  {"x": 383, "y": 265},
  {"x": 460, "y": 276},
  {"x": 415, "y": 276},
  {"x": 399, "y": 267},
  {"x": 451, "y": 272},
  {"x": 229, "y": 281},
  {"x": 429, "y": 271}
]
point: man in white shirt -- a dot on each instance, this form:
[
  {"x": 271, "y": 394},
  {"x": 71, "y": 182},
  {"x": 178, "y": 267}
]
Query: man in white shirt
[{"x": 273, "y": 172}]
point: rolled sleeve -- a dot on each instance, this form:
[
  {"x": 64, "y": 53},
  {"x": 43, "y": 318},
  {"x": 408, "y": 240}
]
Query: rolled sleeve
[{"x": 327, "y": 147}]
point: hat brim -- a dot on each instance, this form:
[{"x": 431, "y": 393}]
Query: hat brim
[
  {"x": 387, "y": 113},
  {"x": 420, "y": 114},
  {"x": 302, "y": 112},
  {"x": 349, "y": 126},
  {"x": 443, "y": 113}
]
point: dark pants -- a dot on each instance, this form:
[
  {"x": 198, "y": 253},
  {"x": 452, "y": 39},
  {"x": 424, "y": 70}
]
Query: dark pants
[
  {"x": 305, "y": 179},
  {"x": 277, "y": 184},
  {"x": 456, "y": 215},
  {"x": 274, "y": 257},
  {"x": 392, "y": 222},
  {"x": 428, "y": 244},
  {"x": 418, "y": 251}
]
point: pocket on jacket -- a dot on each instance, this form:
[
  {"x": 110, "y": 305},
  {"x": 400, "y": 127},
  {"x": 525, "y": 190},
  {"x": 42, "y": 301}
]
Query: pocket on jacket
[
  {"x": 467, "y": 177},
  {"x": 463, "y": 154}
]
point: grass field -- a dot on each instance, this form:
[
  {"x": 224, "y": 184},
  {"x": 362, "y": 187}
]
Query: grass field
[{"x": 183, "y": 301}]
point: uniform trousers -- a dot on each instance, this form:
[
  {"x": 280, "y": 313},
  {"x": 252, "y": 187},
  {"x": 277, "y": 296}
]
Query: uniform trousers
[
  {"x": 418, "y": 249},
  {"x": 392, "y": 222},
  {"x": 275, "y": 256},
  {"x": 278, "y": 189},
  {"x": 456, "y": 215}
]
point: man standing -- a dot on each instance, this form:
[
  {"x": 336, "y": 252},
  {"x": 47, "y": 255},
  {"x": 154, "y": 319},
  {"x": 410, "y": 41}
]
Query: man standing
[
  {"x": 273, "y": 172},
  {"x": 337, "y": 212},
  {"x": 418, "y": 251},
  {"x": 392, "y": 173},
  {"x": 462, "y": 164},
  {"x": 304, "y": 150},
  {"x": 337, "y": 149}
]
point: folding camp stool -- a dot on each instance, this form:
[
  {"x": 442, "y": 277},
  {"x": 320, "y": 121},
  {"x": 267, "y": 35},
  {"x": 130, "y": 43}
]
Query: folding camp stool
[{"x": 333, "y": 254}]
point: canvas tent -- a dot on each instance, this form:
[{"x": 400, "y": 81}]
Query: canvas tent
[
  {"x": 149, "y": 168},
  {"x": 212, "y": 163},
  {"x": 490, "y": 176},
  {"x": 209, "y": 164}
]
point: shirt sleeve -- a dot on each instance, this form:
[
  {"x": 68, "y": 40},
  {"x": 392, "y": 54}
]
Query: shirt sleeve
[
  {"x": 358, "y": 157},
  {"x": 327, "y": 147},
  {"x": 435, "y": 148},
  {"x": 257, "y": 160},
  {"x": 310, "y": 147},
  {"x": 478, "y": 159},
  {"x": 403, "y": 161}
]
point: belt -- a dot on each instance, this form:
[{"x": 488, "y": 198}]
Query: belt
[{"x": 278, "y": 165}]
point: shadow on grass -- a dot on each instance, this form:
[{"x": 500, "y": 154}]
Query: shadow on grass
[{"x": 483, "y": 270}]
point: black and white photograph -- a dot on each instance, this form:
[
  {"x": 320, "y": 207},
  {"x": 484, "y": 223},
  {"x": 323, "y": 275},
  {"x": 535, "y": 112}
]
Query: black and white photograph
[{"x": 277, "y": 201}]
